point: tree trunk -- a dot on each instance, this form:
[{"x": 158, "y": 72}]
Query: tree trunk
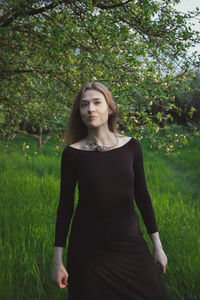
[
  {"x": 40, "y": 138},
  {"x": 162, "y": 110}
]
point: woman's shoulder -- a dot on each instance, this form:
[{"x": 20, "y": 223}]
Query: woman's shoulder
[
  {"x": 130, "y": 138},
  {"x": 76, "y": 145},
  {"x": 134, "y": 145},
  {"x": 81, "y": 145}
]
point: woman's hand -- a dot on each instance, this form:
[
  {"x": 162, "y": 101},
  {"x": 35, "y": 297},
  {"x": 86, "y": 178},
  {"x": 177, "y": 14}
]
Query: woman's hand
[
  {"x": 160, "y": 259},
  {"x": 159, "y": 256},
  {"x": 60, "y": 275}
]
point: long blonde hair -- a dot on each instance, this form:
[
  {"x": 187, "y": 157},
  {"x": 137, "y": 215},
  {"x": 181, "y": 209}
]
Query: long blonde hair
[{"x": 76, "y": 129}]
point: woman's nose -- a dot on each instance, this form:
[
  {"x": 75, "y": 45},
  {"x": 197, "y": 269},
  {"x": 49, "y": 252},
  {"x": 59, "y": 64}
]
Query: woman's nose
[{"x": 91, "y": 107}]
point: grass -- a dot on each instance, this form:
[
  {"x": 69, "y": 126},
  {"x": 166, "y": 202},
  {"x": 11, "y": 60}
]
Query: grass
[{"x": 29, "y": 191}]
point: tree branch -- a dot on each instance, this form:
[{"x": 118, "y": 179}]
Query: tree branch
[
  {"x": 102, "y": 6},
  {"x": 8, "y": 18}
]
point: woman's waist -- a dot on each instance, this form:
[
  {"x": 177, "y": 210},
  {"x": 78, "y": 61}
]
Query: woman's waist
[
  {"x": 83, "y": 212},
  {"x": 86, "y": 224}
]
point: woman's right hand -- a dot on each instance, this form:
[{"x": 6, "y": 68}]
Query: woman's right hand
[{"x": 60, "y": 276}]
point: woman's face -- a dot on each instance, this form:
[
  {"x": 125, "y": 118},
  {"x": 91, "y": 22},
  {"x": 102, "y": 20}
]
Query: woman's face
[{"x": 93, "y": 103}]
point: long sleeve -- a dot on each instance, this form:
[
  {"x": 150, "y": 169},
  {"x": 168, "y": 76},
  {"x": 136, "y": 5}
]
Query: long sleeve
[
  {"x": 66, "y": 204},
  {"x": 142, "y": 196}
]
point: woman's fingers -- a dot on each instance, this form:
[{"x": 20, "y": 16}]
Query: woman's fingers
[
  {"x": 65, "y": 280},
  {"x": 60, "y": 276},
  {"x": 161, "y": 260},
  {"x": 62, "y": 284},
  {"x": 161, "y": 267},
  {"x": 164, "y": 268}
]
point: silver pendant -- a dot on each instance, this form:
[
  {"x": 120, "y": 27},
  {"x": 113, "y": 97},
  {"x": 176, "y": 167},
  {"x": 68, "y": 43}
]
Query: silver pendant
[
  {"x": 96, "y": 147},
  {"x": 101, "y": 148}
]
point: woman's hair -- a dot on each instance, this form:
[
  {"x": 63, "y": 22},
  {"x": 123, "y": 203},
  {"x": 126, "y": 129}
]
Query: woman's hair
[{"x": 76, "y": 129}]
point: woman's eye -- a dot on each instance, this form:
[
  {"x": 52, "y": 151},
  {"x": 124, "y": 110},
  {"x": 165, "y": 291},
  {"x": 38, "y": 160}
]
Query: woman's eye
[{"x": 84, "y": 104}]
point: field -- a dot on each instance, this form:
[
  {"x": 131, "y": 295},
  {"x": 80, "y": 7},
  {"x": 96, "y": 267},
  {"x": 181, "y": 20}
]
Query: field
[{"x": 29, "y": 193}]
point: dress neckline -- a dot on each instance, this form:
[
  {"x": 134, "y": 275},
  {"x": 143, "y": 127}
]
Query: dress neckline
[{"x": 102, "y": 151}]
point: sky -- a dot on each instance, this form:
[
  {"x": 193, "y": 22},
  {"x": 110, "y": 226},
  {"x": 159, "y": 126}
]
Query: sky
[{"x": 188, "y": 5}]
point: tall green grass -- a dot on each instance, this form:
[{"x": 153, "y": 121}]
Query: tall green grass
[{"x": 29, "y": 193}]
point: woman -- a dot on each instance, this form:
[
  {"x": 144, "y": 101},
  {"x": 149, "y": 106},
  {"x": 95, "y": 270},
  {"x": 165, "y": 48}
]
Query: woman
[{"x": 107, "y": 258}]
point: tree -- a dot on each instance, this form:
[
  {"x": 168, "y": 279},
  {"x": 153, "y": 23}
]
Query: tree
[{"x": 50, "y": 48}]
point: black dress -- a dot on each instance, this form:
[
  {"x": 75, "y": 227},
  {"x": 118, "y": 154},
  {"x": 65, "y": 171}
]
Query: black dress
[{"x": 107, "y": 257}]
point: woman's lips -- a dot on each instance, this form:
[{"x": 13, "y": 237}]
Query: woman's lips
[{"x": 92, "y": 117}]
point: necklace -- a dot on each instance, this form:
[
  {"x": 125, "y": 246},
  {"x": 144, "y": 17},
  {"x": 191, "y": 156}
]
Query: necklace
[{"x": 95, "y": 147}]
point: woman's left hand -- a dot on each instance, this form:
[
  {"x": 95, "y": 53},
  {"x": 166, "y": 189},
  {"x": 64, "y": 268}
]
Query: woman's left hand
[{"x": 160, "y": 259}]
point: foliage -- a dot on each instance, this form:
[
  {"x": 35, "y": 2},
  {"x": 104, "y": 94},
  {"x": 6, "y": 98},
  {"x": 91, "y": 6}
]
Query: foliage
[
  {"x": 50, "y": 48},
  {"x": 187, "y": 97}
]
